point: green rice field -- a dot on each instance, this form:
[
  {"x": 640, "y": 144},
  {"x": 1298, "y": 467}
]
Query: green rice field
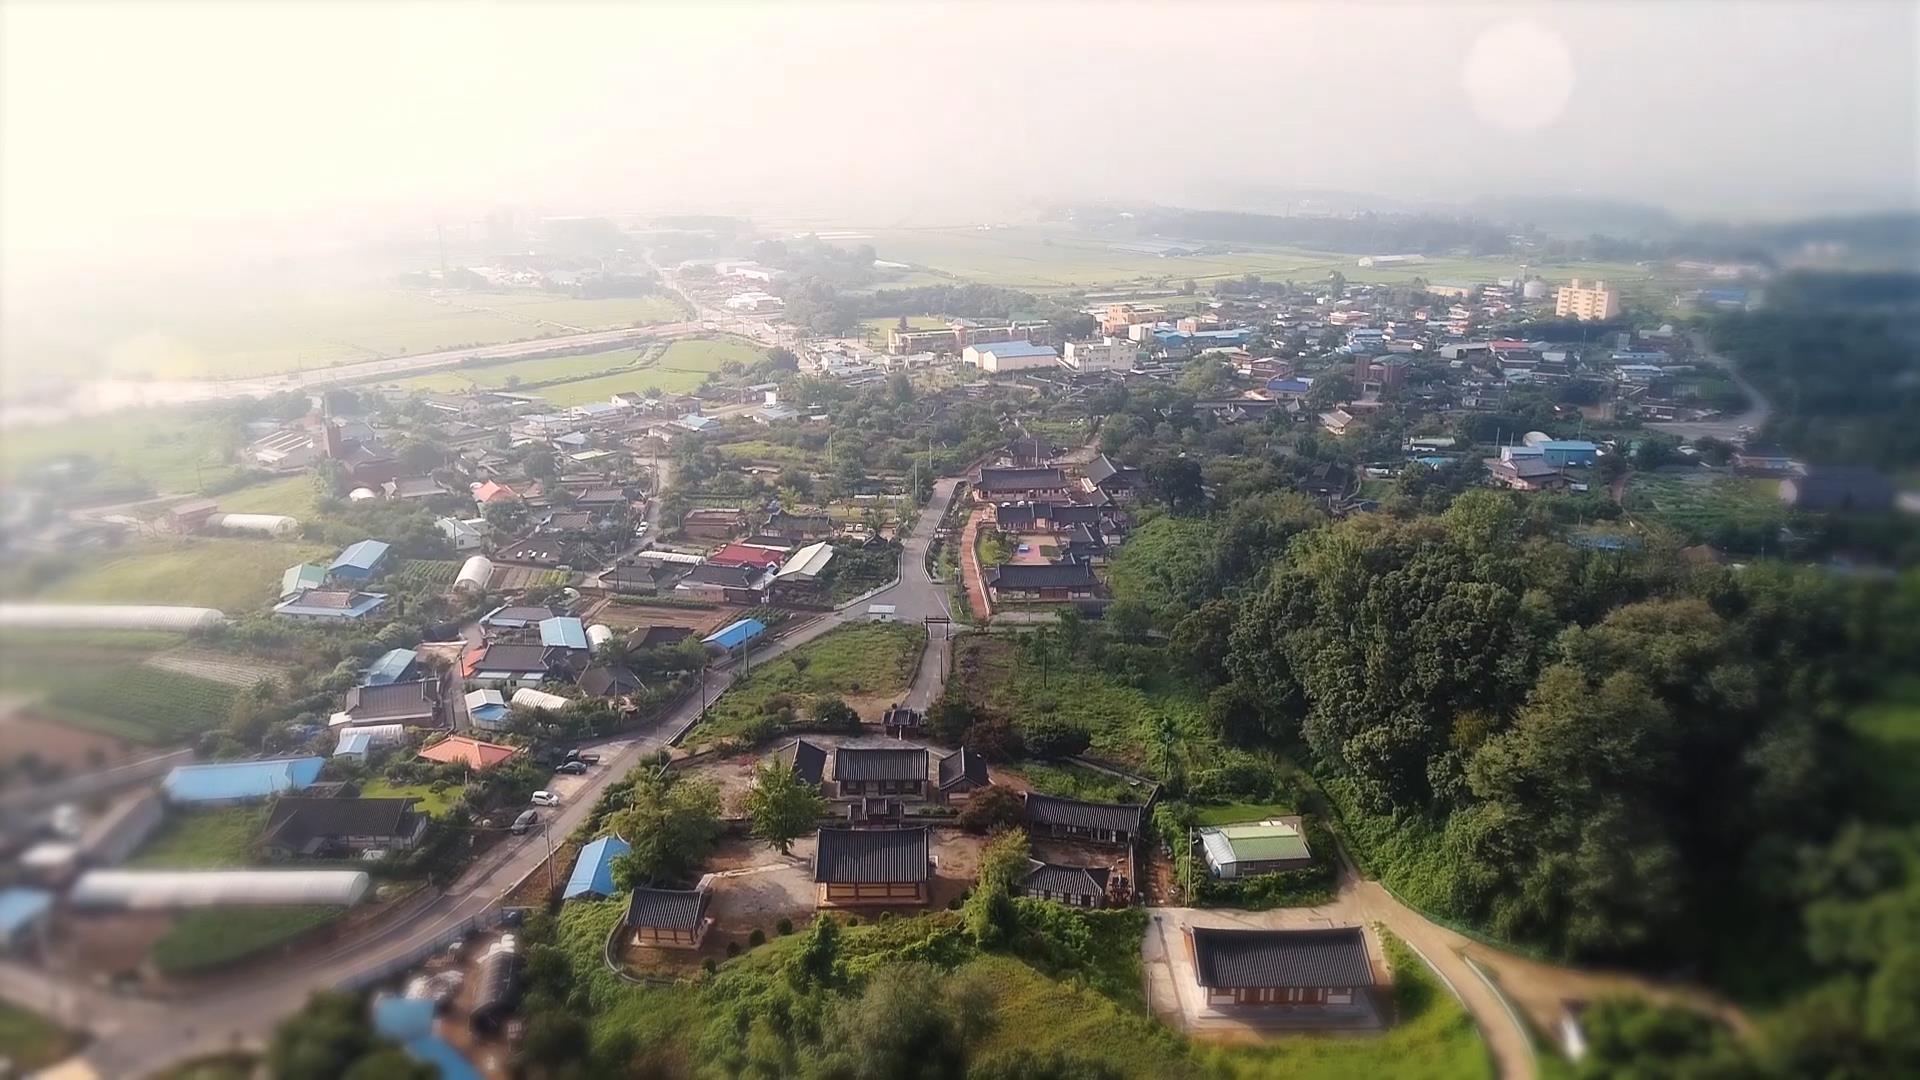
[{"x": 1703, "y": 503}]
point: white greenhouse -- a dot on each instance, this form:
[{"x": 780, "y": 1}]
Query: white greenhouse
[
  {"x": 474, "y": 574},
  {"x": 165, "y": 890},
  {"x": 108, "y": 617},
  {"x": 598, "y": 635},
  {"x": 528, "y": 698},
  {"x": 268, "y": 524}
]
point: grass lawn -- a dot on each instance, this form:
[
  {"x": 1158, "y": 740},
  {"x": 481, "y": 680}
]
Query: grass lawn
[
  {"x": 202, "y": 940},
  {"x": 1237, "y": 812},
  {"x": 29, "y": 1042},
  {"x": 1888, "y": 753},
  {"x": 203, "y": 840},
  {"x": 290, "y": 495},
  {"x": 760, "y": 451},
  {"x": 863, "y": 659},
  {"x": 234, "y": 576},
  {"x": 427, "y": 802}
]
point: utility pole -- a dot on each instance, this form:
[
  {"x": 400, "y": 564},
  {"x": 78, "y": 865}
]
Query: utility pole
[{"x": 546, "y": 830}]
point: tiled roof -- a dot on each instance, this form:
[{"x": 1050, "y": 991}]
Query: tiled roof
[
  {"x": 1061, "y": 575},
  {"x": 667, "y": 909},
  {"x": 1049, "y": 810},
  {"x": 297, "y": 821},
  {"x": 871, "y": 856},
  {"x": 1229, "y": 959},
  {"x": 962, "y": 764},
  {"x": 1021, "y": 479},
  {"x": 879, "y": 763},
  {"x": 807, "y": 760},
  {"x": 1065, "y": 880}
]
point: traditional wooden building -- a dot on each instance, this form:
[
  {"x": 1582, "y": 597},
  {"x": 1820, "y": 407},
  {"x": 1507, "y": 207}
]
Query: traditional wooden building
[
  {"x": 1017, "y": 582},
  {"x": 860, "y": 771},
  {"x": 1307, "y": 970},
  {"x": 961, "y": 773},
  {"x": 902, "y": 722},
  {"x": 1021, "y": 485},
  {"x": 856, "y": 867},
  {"x": 1075, "y": 886},
  {"x": 669, "y": 918},
  {"x": 1071, "y": 819},
  {"x": 807, "y": 760}
]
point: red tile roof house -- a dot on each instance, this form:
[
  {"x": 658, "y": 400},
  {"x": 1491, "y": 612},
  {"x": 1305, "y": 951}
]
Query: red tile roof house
[{"x": 468, "y": 751}]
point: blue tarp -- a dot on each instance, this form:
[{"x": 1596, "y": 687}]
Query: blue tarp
[
  {"x": 437, "y": 1052},
  {"x": 402, "y": 1019},
  {"x": 736, "y": 634},
  {"x": 20, "y": 909},
  {"x": 593, "y": 872},
  {"x": 241, "y": 779},
  {"x": 563, "y": 632}
]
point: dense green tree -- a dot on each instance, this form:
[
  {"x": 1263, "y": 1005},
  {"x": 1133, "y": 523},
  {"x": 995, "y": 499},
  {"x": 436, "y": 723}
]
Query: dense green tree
[
  {"x": 781, "y": 806},
  {"x": 671, "y": 823}
]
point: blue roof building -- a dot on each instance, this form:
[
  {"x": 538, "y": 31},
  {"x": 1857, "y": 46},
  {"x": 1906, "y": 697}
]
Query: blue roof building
[
  {"x": 394, "y": 666},
  {"x": 1014, "y": 349},
  {"x": 593, "y": 872},
  {"x": 439, "y": 1053},
  {"x": 21, "y": 911},
  {"x": 330, "y": 605},
  {"x": 360, "y": 561},
  {"x": 241, "y": 781},
  {"x": 1289, "y": 385},
  {"x": 488, "y": 709},
  {"x": 1561, "y": 453},
  {"x": 734, "y": 635},
  {"x": 563, "y": 632},
  {"x": 402, "y": 1019}
]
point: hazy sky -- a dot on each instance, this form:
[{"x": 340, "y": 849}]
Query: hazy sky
[{"x": 124, "y": 125}]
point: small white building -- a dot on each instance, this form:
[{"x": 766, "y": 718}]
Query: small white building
[{"x": 466, "y": 534}]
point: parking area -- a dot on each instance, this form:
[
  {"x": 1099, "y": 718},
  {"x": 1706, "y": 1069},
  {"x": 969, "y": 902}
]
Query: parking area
[{"x": 1177, "y": 998}]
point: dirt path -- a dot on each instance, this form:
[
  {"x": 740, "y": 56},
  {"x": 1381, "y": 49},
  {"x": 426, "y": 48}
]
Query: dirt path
[{"x": 970, "y": 571}]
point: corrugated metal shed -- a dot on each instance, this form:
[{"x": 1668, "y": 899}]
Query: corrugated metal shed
[
  {"x": 734, "y": 635},
  {"x": 563, "y": 632},
  {"x": 362, "y": 557},
  {"x": 392, "y": 667},
  {"x": 593, "y": 872},
  {"x": 236, "y": 780}
]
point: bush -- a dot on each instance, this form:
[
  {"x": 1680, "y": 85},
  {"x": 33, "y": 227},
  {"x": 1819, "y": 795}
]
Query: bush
[
  {"x": 991, "y": 809},
  {"x": 733, "y": 949},
  {"x": 784, "y": 926},
  {"x": 757, "y": 938},
  {"x": 834, "y": 714},
  {"x": 1054, "y": 739},
  {"x": 709, "y": 966},
  {"x": 995, "y": 740}
]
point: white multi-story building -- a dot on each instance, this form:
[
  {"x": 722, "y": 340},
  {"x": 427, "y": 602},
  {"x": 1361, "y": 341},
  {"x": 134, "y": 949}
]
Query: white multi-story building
[
  {"x": 1112, "y": 354},
  {"x": 1586, "y": 303}
]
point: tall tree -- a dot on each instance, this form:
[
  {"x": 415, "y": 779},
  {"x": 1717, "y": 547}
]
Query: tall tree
[{"x": 782, "y": 806}]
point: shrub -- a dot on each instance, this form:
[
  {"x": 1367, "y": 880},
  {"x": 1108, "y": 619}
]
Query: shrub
[
  {"x": 995, "y": 740},
  {"x": 709, "y": 966},
  {"x": 733, "y": 949},
  {"x": 757, "y": 938},
  {"x": 784, "y": 926},
  {"x": 1054, "y": 739},
  {"x": 991, "y": 809},
  {"x": 438, "y": 787}
]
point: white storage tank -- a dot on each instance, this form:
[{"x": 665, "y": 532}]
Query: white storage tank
[
  {"x": 108, "y": 617},
  {"x": 598, "y": 635},
  {"x": 1534, "y": 289},
  {"x": 362, "y": 494},
  {"x": 528, "y": 698},
  {"x": 475, "y": 573},
  {"x": 269, "y": 524}
]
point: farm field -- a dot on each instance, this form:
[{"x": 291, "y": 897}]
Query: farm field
[
  {"x": 429, "y": 571},
  {"x": 678, "y": 368},
  {"x": 290, "y": 495},
  {"x": 233, "y": 576},
  {"x": 170, "y": 449},
  {"x": 113, "y": 692},
  {"x": 517, "y": 372},
  {"x": 1706, "y": 505},
  {"x": 203, "y": 840},
  {"x": 30, "y": 1043},
  {"x": 861, "y": 660},
  {"x": 202, "y": 940},
  {"x": 275, "y": 327}
]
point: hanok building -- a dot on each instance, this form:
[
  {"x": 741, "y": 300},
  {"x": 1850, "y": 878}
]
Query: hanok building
[
  {"x": 1075, "y": 886},
  {"x": 855, "y": 867},
  {"x": 860, "y": 771},
  {"x": 1119, "y": 483},
  {"x": 669, "y": 918},
  {"x": 807, "y": 760},
  {"x": 301, "y": 827},
  {"x": 1021, "y": 485},
  {"x": 798, "y": 526},
  {"x": 900, "y": 721},
  {"x": 1040, "y": 582},
  {"x": 1049, "y": 517},
  {"x": 962, "y": 773},
  {"x": 1071, "y": 819},
  {"x": 611, "y": 681},
  {"x": 1306, "y": 970}
]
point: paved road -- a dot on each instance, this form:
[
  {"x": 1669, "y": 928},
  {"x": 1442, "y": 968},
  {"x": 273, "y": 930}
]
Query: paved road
[
  {"x": 136, "y": 1036},
  {"x": 1726, "y": 428}
]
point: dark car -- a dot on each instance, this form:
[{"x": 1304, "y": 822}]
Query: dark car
[{"x": 572, "y": 768}]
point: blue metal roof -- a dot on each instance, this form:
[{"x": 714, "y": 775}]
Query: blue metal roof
[
  {"x": 1016, "y": 348},
  {"x": 390, "y": 668},
  {"x": 1281, "y": 384},
  {"x": 402, "y": 1019},
  {"x": 593, "y": 872},
  {"x": 439, "y": 1053},
  {"x": 564, "y": 632},
  {"x": 364, "y": 555},
  {"x": 20, "y": 908},
  {"x": 241, "y": 779},
  {"x": 1568, "y": 444},
  {"x": 736, "y": 634},
  {"x": 354, "y": 741}
]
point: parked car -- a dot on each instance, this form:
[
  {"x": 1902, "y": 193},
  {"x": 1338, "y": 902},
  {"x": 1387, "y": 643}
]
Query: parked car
[
  {"x": 586, "y": 757},
  {"x": 572, "y": 768},
  {"x": 525, "y": 821},
  {"x": 545, "y": 798}
]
